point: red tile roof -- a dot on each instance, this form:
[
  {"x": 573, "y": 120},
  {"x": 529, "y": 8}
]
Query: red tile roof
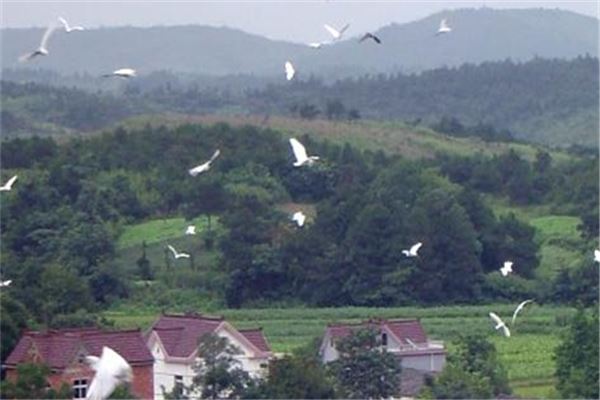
[
  {"x": 179, "y": 334},
  {"x": 57, "y": 348},
  {"x": 400, "y": 328},
  {"x": 257, "y": 338}
]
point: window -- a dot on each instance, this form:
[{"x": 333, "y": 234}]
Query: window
[
  {"x": 384, "y": 339},
  {"x": 178, "y": 389},
  {"x": 79, "y": 388}
]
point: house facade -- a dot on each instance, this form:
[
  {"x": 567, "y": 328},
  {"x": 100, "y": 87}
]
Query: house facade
[
  {"x": 404, "y": 338},
  {"x": 64, "y": 352},
  {"x": 173, "y": 341}
]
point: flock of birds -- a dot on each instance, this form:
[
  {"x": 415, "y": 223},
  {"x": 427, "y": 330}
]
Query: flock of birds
[{"x": 111, "y": 369}]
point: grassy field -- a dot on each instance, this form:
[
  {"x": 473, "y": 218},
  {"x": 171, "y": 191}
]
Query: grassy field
[
  {"x": 527, "y": 354},
  {"x": 391, "y": 137}
]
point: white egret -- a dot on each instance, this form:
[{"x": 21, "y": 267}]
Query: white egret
[
  {"x": 519, "y": 308},
  {"x": 122, "y": 73},
  {"x": 299, "y": 218},
  {"x": 290, "y": 71},
  {"x": 191, "y": 230},
  {"x": 507, "y": 268},
  {"x": 444, "y": 28},
  {"x": 597, "y": 256},
  {"x": 42, "y": 50},
  {"x": 206, "y": 166},
  {"x": 5, "y": 283},
  {"x": 176, "y": 254},
  {"x": 111, "y": 370},
  {"x": 8, "y": 185},
  {"x": 413, "y": 250},
  {"x": 337, "y": 34},
  {"x": 300, "y": 154},
  {"x": 69, "y": 28},
  {"x": 500, "y": 324}
]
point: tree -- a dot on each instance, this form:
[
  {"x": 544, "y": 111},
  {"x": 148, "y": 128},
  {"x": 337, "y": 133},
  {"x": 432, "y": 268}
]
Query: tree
[
  {"x": 472, "y": 371},
  {"x": 218, "y": 374},
  {"x": 32, "y": 383},
  {"x": 577, "y": 358},
  {"x": 143, "y": 264},
  {"x": 364, "y": 369}
]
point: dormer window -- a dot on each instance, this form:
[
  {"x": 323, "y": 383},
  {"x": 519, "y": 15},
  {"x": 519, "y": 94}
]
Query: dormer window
[{"x": 384, "y": 339}]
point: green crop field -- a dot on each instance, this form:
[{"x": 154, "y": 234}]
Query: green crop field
[{"x": 527, "y": 354}]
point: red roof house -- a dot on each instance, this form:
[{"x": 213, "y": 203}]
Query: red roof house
[
  {"x": 405, "y": 338},
  {"x": 173, "y": 341},
  {"x": 64, "y": 351}
]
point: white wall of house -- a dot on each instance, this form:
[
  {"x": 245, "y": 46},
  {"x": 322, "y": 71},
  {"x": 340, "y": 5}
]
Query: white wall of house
[{"x": 425, "y": 362}]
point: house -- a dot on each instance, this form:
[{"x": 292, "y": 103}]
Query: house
[
  {"x": 64, "y": 351},
  {"x": 404, "y": 338},
  {"x": 173, "y": 342}
]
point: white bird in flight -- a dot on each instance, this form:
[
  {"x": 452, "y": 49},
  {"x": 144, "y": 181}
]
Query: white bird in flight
[
  {"x": 191, "y": 230},
  {"x": 597, "y": 256},
  {"x": 68, "y": 28},
  {"x": 176, "y": 254},
  {"x": 337, "y": 35},
  {"x": 500, "y": 324},
  {"x": 317, "y": 45},
  {"x": 8, "y": 185},
  {"x": 122, "y": 73},
  {"x": 111, "y": 370},
  {"x": 519, "y": 308},
  {"x": 290, "y": 71},
  {"x": 206, "y": 166},
  {"x": 42, "y": 50},
  {"x": 413, "y": 250},
  {"x": 444, "y": 28},
  {"x": 299, "y": 218},
  {"x": 5, "y": 283},
  {"x": 300, "y": 154},
  {"x": 507, "y": 268}
]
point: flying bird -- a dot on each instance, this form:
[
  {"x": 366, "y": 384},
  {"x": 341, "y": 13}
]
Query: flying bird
[
  {"x": 519, "y": 308},
  {"x": 111, "y": 370},
  {"x": 369, "y": 35},
  {"x": 300, "y": 154},
  {"x": 500, "y": 324},
  {"x": 68, "y": 28},
  {"x": 122, "y": 73},
  {"x": 206, "y": 166},
  {"x": 317, "y": 45},
  {"x": 289, "y": 71},
  {"x": 5, "y": 283},
  {"x": 444, "y": 28},
  {"x": 176, "y": 254},
  {"x": 597, "y": 256},
  {"x": 8, "y": 185},
  {"x": 299, "y": 218},
  {"x": 507, "y": 268},
  {"x": 337, "y": 35},
  {"x": 413, "y": 250},
  {"x": 42, "y": 50},
  {"x": 191, "y": 230}
]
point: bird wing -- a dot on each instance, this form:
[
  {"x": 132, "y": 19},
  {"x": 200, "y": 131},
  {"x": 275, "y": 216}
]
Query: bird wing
[
  {"x": 299, "y": 150},
  {"x": 496, "y": 319},
  {"x": 415, "y": 248},
  {"x": 184, "y": 255},
  {"x": 200, "y": 168},
  {"x": 28, "y": 56},
  {"x": 443, "y": 24},
  {"x": 344, "y": 29},
  {"x": 47, "y": 35},
  {"x": 365, "y": 37},
  {"x": 289, "y": 70},
  {"x": 376, "y": 39},
  {"x": 10, "y": 182},
  {"x": 506, "y": 330},
  {"x": 519, "y": 308},
  {"x": 65, "y": 23},
  {"x": 332, "y": 31},
  {"x": 172, "y": 250},
  {"x": 597, "y": 255},
  {"x": 111, "y": 370},
  {"x": 215, "y": 155},
  {"x": 93, "y": 362}
]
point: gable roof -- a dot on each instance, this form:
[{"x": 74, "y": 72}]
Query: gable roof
[
  {"x": 179, "y": 334},
  {"x": 401, "y": 329},
  {"x": 57, "y": 348}
]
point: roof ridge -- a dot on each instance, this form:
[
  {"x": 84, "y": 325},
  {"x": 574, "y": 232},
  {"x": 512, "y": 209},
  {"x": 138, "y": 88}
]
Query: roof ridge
[
  {"x": 195, "y": 315},
  {"x": 260, "y": 328}
]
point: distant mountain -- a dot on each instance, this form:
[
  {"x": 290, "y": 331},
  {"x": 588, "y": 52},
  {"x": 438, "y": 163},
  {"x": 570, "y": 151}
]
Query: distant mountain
[{"x": 478, "y": 35}]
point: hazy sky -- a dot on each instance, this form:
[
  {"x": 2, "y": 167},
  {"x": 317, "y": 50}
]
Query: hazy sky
[{"x": 299, "y": 21}]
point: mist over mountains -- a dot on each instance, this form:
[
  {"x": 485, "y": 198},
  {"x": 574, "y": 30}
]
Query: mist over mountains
[{"x": 478, "y": 35}]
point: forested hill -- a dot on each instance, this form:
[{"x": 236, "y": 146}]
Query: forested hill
[
  {"x": 478, "y": 35},
  {"x": 551, "y": 102}
]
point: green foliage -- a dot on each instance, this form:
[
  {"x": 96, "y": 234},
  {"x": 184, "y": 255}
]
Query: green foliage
[
  {"x": 363, "y": 369},
  {"x": 32, "y": 383},
  {"x": 14, "y": 320}
]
